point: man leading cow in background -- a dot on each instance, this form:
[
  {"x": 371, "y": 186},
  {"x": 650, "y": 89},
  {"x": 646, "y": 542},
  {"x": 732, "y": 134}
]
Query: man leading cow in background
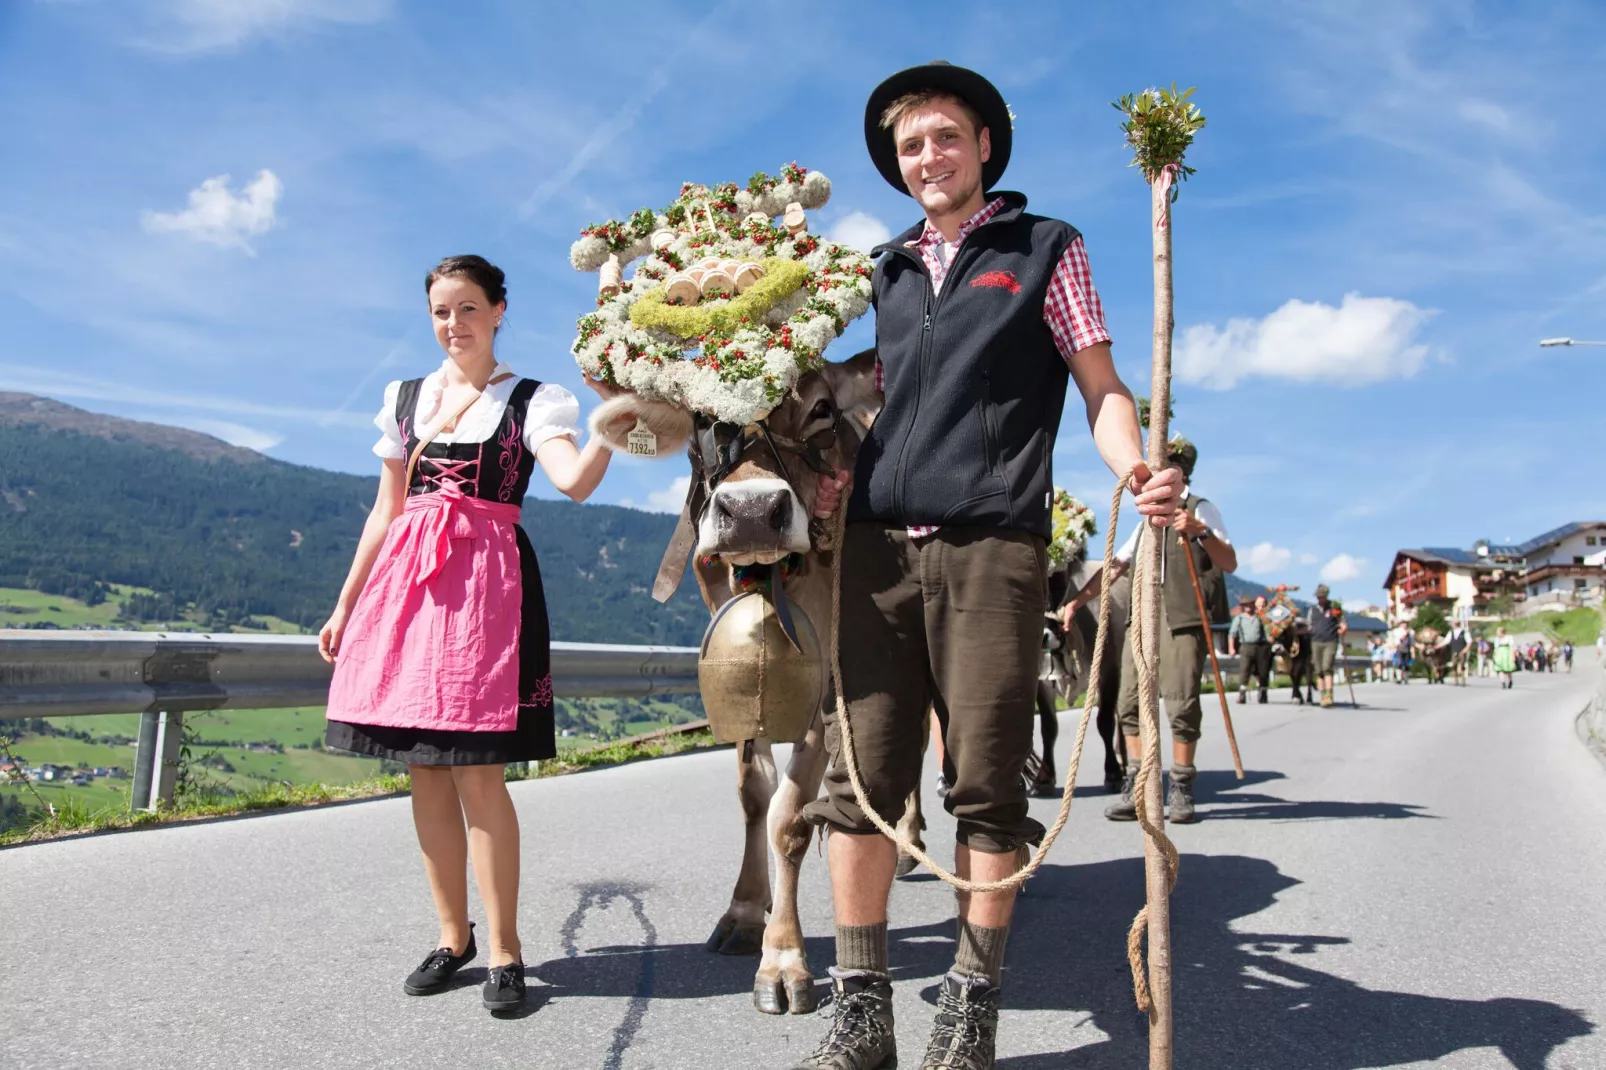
[{"x": 1247, "y": 637}]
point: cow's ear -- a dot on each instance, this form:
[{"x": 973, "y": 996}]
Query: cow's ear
[
  {"x": 615, "y": 418},
  {"x": 852, "y": 383}
]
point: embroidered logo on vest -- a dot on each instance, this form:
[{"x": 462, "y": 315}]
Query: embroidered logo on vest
[{"x": 1004, "y": 280}]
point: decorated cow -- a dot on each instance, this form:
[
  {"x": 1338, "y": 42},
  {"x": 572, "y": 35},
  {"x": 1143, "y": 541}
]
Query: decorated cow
[{"x": 717, "y": 338}]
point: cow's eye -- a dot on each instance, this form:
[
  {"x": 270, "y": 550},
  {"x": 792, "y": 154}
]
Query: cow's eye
[{"x": 822, "y": 411}]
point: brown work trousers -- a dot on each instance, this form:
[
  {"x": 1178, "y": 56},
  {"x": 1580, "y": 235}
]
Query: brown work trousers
[
  {"x": 953, "y": 622},
  {"x": 1182, "y": 663}
]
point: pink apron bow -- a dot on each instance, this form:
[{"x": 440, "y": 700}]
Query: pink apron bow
[{"x": 448, "y": 521}]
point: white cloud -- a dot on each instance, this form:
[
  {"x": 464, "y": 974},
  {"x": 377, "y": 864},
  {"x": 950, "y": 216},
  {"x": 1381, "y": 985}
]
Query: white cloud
[
  {"x": 1364, "y": 340},
  {"x": 220, "y": 217},
  {"x": 668, "y": 500},
  {"x": 1343, "y": 568},
  {"x": 1308, "y": 559},
  {"x": 1264, "y": 558},
  {"x": 859, "y": 230},
  {"x": 234, "y": 434},
  {"x": 206, "y": 25}
]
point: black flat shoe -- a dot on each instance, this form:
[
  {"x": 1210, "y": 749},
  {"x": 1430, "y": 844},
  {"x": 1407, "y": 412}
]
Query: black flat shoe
[
  {"x": 435, "y": 973},
  {"x": 504, "y": 988}
]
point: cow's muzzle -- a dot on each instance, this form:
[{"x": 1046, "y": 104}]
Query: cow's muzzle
[{"x": 753, "y": 521}]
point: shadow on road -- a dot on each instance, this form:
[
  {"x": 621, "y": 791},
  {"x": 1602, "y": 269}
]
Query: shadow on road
[
  {"x": 1222, "y": 797},
  {"x": 1244, "y": 1000}
]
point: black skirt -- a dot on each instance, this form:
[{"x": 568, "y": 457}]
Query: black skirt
[{"x": 533, "y": 739}]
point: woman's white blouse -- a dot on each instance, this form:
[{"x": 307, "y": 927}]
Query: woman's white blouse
[{"x": 553, "y": 411}]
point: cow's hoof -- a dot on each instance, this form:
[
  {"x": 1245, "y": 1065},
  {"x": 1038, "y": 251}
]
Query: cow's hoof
[
  {"x": 721, "y": 933},
  {"x": 769, "y": 995},
  {"x": 907, "y": 864},
  {"x": 744, "y": 940},
  {"x": 801, "y": 997}
]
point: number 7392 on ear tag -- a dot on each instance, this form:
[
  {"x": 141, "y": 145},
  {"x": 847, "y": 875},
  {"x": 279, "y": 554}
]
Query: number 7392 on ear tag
[{"x": 641, "y": 441}]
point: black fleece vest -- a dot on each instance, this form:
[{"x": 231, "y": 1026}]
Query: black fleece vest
[{"x": 974, "y": 382}]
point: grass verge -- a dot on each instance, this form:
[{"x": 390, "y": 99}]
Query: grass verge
[{"x": 75, "y": 817}]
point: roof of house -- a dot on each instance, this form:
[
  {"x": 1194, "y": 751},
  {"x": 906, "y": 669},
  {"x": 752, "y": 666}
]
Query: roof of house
[
  {"x": 1549, "y": 538},
  {"x": 1447, "y": 555}
]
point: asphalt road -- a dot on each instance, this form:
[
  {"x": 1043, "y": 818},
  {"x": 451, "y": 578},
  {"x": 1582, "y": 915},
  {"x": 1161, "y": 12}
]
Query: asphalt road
[{"x": 1418, "y": 882}]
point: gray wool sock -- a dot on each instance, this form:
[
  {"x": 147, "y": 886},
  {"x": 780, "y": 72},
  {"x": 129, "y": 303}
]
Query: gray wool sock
[
  {"x": 980, "y": 950},
  {"x": 862, "y": 948},
  {"x": 1183, "y": 772}
]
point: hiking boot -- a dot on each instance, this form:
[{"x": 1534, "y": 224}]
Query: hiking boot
[
  {"x": 1180, "y": 802},
  {"x": 1243, "y": 697},
  {"x": 860, "y": 1037},
  {"x": 1126, "y": 809},
  {"x": 966, "y": 1030},
  {"x": 942, "y": 786},
  {"x": 435, "y": 973}
]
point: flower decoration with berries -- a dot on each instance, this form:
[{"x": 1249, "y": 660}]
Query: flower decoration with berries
[{"x": 727, "y": 307}]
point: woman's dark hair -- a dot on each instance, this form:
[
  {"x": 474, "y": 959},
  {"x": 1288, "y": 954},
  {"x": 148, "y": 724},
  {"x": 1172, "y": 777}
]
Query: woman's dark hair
[{"x": 476, "y": 269}]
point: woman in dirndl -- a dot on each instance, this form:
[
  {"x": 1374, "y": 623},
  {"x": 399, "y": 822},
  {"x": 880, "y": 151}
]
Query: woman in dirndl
[
  {"x": 1505, "y": 657},
  {"x": 439, "y": 638}
]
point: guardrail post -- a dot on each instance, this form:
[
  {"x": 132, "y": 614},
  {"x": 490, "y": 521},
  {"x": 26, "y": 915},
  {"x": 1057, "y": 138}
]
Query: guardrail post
[{"x": 156, "y": 760}]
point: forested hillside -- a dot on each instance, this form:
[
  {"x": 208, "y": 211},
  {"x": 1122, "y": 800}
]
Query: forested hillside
[{"x": 88, "y": 500}]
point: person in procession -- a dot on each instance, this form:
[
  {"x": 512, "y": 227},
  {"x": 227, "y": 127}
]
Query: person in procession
[
  {"x": 1505, "y": 657},
  {"x": 1327, "y": 630},
  {"x": 984, "y": 314},
  {"x": 439, "y": 637},
  {"x": 1247, "y": 637},
  {"x": 1199, "y": 530}
]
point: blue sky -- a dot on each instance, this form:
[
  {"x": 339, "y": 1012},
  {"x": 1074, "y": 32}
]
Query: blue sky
[{"x": 1394, "y": 203}]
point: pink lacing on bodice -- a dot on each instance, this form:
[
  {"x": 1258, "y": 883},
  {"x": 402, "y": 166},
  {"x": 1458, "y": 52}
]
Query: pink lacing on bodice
[{"x": 448, "y": 470}]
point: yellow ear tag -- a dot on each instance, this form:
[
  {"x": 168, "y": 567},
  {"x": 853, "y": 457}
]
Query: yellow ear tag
[{"x": 641, "y": 441}]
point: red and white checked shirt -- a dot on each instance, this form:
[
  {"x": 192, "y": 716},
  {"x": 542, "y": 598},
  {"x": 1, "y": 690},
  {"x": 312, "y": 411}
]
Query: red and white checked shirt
[{"x": 1071, "y": 308}]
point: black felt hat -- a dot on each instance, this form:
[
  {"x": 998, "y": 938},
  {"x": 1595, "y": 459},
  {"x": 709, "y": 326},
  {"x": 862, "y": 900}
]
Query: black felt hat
[{"x": 941, "y": 75}]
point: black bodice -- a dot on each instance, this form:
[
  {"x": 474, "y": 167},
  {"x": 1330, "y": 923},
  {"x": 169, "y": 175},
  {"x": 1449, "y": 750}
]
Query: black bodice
[{"x": 497, "y": 470}]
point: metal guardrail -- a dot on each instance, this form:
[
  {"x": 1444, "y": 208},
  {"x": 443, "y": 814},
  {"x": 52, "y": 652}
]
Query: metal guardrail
[{"x": 163, "y": 675}]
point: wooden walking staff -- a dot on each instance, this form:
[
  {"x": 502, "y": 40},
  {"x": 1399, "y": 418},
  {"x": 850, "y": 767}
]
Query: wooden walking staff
[
  {"x": 1215, "y": 666},
  {"x": 1159, "y": 127}
]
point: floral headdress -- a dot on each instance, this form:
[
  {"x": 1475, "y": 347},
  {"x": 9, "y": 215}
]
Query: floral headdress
[
  {"x": 1074, "y": 524},
  {"x": 727, "y": 309}
]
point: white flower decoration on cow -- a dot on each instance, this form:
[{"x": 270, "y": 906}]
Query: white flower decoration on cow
[
  {"x": 726, "y": 308},
  {"x": 1073, "y": 525}
]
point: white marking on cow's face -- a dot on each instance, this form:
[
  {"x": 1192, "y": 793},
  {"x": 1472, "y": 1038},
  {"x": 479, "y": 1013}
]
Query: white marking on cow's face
[{"x": 750, "y": 521}]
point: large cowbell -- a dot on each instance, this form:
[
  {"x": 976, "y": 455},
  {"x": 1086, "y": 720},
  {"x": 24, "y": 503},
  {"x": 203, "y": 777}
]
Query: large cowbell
[{"x": 755, "y": 683}]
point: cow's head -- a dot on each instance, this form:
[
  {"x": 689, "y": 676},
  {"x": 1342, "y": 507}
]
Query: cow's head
[{"x": 753, "y": 487}]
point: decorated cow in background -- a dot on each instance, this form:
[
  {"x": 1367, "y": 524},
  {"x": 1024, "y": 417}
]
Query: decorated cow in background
[{"x": 717, "y": 339}]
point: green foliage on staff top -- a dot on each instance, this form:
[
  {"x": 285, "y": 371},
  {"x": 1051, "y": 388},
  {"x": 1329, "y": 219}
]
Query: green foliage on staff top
[
  {"x": 143, "y": 533},
  {"x": 1159, "y": 128}
]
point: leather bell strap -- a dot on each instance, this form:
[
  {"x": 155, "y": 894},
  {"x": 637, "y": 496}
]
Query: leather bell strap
[{"x": 681, "y": 544}]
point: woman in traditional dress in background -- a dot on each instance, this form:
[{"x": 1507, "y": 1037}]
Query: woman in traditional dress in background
[
  {"x": 1505, "y": 657},
  {"x": 439, "y": 637}
]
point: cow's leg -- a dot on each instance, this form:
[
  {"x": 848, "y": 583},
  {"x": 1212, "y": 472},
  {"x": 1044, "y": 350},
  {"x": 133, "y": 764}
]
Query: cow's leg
[
  {"x": 741, "y": 930},
  {"x": 784, "y": 982}
]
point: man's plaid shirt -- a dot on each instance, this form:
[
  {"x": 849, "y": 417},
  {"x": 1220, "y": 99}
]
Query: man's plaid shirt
[{"x": 1071, "y": 309}]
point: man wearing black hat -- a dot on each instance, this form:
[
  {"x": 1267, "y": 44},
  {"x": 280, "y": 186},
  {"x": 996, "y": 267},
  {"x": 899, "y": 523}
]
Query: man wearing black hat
[{"x": 984, "y": 313}]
